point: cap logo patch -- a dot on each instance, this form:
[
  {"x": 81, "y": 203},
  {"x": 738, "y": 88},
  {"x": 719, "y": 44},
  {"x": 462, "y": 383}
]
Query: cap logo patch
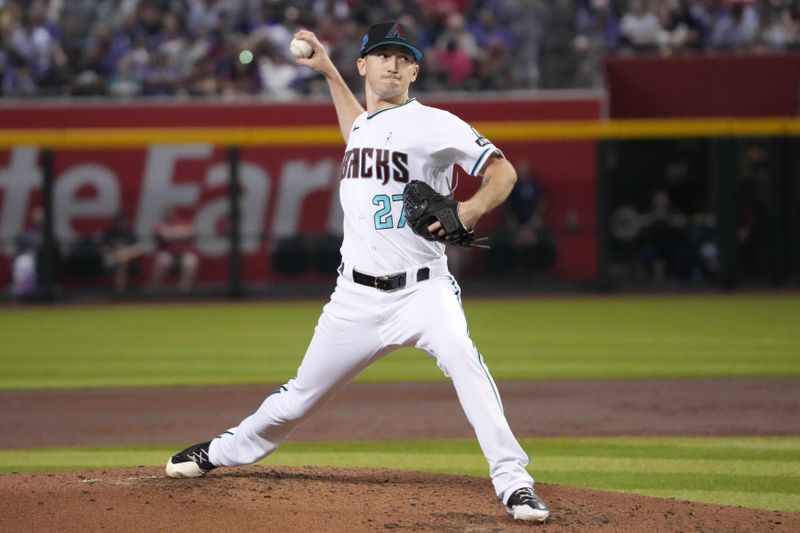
[
  {"x": 364, "y": 42},
  {"x": 396, "y": 32}
]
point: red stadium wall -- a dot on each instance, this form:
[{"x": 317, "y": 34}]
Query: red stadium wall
[
  {"x": 703, "y": 86},
  {"x": 286, "y": 189}
]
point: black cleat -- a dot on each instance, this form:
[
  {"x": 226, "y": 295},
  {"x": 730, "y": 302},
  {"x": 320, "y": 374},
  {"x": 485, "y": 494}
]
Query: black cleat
[
  {"x": 191, "y": 462},
  {"x": 524, "y": 504}
]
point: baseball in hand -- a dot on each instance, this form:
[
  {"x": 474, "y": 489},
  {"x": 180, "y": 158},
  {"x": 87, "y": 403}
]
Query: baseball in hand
[{"x": 300, "y": 49}]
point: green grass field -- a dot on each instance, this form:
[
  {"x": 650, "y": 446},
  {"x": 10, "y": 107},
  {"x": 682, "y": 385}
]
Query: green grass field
[
  {"x": 547, "y": 338},
  {"x": 756, "y": 472},
  {"x": 551, "y": 338}
]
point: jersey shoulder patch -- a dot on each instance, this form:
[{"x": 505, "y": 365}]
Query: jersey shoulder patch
[{"x": 480, "y": 140}]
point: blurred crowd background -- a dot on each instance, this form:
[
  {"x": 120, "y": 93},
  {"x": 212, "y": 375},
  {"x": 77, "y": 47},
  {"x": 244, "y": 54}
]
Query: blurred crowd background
[
  {"x": 126, "y": 48},
  {"x": 683, "y": 211}
]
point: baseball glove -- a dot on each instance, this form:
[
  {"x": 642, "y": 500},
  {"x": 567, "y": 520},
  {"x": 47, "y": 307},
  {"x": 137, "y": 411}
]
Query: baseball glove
[{"x": 424, "y": 206}]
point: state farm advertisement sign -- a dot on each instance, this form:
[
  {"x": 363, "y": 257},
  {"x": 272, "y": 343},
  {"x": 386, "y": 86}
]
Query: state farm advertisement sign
[
  {"x": 283, "y": 192},
  {"x": 286, "y": 190}
]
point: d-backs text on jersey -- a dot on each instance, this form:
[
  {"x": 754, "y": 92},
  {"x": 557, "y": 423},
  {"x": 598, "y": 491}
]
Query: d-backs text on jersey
[{"x": 375, "y": 163}]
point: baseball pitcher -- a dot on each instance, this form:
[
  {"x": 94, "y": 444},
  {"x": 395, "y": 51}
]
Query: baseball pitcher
[{"x": 393, "y": 288}]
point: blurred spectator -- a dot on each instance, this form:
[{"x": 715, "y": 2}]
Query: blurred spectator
[
  {"x": 681, "y": 30},
  {"x": 207, "y": 78},
  {"x": 640, "y": 28},
  {"x": 526, "y": 201},
  {"x": 121, "y": 252},
  {"x": 35, "y": 42},
  {"x": 456, "y": 35},
  {"x": 780, "y": 25},
  {"x": 160, "y": 78},
  {"x": 736, "y": 26},
  {"x": 524, "y": 244},
  {"x": 85, "y": 258},
  {"x": 755, "y": 210},
  {"x": 175, "y": 251},
  {"x": 598, "y": 32},
  {"x": 25, "y": 265},
  {"x": 17, "y": 77},
  {"x": 37, "y": 266},
  {"x": 495, "y": 70},
  {"x": 127, "y": 81},
  {"x": 276, "y": 72},
  {"x": 173, "y": 44},
  {"x": 488, "y": 31},
  {"x": 455, "y": 65},
  {"x": 494, "y": 66},
  {"x": 598, "y": 24},
  {"x": 662, "y": 239},
  {"x": 703, "y": 252},
  {"x": 533, "y": 241}
]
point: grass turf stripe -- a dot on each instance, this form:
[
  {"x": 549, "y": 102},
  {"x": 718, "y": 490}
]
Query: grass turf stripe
[
  {"x": 529, "y": 339},
  {"x": 761, "y": 472}
]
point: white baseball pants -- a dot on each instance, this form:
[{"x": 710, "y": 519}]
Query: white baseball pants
[{"x": 358, "y": 326}]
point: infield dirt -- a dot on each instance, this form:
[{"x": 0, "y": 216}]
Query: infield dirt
[
  {"x": 259, "y": 498},
  {"x": 348, "y": 500}
]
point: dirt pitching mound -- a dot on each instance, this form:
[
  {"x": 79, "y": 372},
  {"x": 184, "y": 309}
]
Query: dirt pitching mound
[{"x": 324, "y": 499}]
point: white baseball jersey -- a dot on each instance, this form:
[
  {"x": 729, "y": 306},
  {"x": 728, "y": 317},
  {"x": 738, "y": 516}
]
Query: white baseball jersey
[
  {"x": 385, "y": 151},
  {"x": 363, "y": 322}
]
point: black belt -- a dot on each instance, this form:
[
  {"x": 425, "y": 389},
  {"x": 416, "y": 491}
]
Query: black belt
[{"x": 391, "y": 282}]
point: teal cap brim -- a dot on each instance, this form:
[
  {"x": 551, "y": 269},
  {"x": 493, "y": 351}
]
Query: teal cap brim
[{"x": 416, "y": 51}]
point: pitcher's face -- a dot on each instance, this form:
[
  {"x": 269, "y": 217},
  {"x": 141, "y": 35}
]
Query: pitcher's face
[{"x": 389, "y": 71}]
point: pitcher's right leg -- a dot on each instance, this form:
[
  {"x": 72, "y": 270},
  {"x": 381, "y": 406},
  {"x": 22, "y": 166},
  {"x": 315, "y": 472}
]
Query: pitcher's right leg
[{"x": 344, "y": 343}]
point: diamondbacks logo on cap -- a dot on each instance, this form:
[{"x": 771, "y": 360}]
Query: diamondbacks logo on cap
[
  {"x": 385, "y": 34},
  {"x": 397, "y": 32}
]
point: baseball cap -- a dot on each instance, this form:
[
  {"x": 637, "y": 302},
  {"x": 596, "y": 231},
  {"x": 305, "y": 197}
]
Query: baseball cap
[{"x": 390, "y": 32}]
